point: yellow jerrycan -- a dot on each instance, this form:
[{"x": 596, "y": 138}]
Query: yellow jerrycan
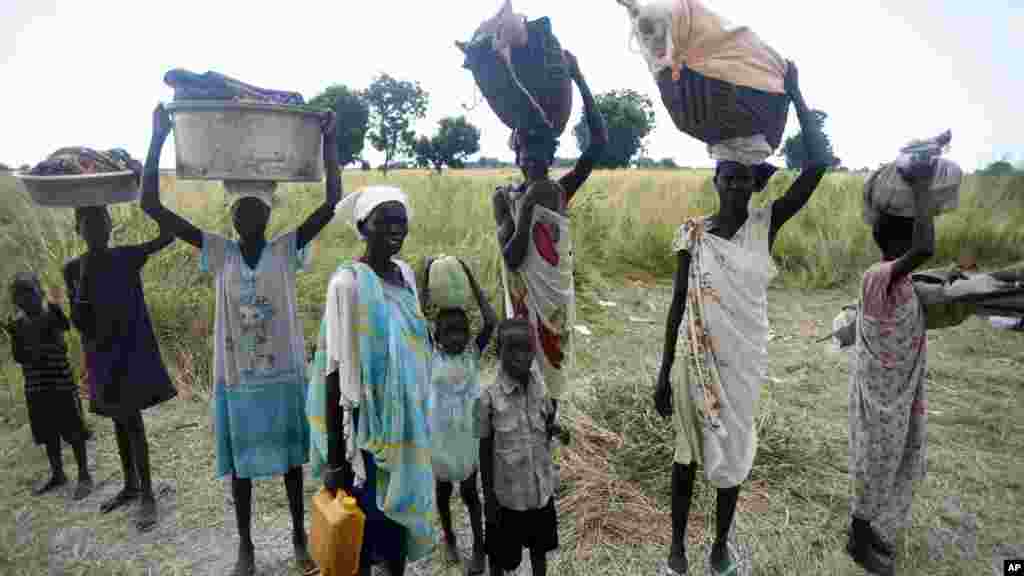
[{"x": 337, "y": 534}]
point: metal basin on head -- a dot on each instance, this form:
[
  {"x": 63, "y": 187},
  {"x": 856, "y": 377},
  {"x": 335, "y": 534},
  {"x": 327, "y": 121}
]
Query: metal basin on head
[{"x": 220, "y": 140}]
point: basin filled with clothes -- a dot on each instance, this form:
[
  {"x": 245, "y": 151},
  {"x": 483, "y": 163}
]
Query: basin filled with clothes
[
  {"x": 227, "y": 130},
  {"x": 75, "y": 177}
]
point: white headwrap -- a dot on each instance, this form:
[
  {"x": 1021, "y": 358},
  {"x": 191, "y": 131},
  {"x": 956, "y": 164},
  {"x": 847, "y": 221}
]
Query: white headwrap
[
  {"x": 751, "y": 151},
  {"x": 357, "y": 206},
  {"x": 236, "y": 190}
]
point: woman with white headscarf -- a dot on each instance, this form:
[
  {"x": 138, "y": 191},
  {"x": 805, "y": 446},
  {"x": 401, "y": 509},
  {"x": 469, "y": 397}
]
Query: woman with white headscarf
[
  {"x": 259, "y": 377},
  {"x": 368, "y": 400}
]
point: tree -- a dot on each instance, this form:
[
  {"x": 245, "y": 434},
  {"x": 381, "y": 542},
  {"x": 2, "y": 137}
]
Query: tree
[
  {"x": 353, "y": 117},
  {"x": 1000, "y": 168},
  {"x": 24, "y": 168},
  {"x": 394, "y": 105},
  {"x": 4, "y": 167},
  {"x": 645, "y": 163},
  {"x": 456, "y": 139},
  {"x": 668, "y": 163},
  {"x": 630, "y": 118},
  {"x": 793, "y": 149}
]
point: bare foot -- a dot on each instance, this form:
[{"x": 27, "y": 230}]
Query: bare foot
[
  {"x": 82, "y": 489},
  {"x": 677, "y": 561},
  {"x": 246, "y": 564},
  {"x": 478, "y": 561},
  {"x": 123, "y": 497},
  {"x": 305, "y": 564},
  {"x": 147, "y": 515},
  {"x": 54, "y": 482}
]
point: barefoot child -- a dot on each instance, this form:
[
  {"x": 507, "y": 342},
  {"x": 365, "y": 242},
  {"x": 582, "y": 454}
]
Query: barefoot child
[
  {"x": 123, "y": 363},
  {"x": 455, "y": 387},
  {"x": 888, "y": 399},
  {"x": 37, "y": 339},
  {"x": 515, "y": 457},
  {"x": 259, "y": 377}
]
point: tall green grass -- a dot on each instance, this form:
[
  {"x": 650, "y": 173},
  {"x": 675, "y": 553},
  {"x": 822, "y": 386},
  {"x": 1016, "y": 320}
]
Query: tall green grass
[{"x": 624, "y": 222}]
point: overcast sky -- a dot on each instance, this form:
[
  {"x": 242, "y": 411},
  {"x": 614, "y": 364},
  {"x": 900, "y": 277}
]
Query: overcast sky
[{"x": 90, "y": 73}]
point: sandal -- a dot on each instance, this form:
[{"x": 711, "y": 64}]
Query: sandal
[
  {"x": 725, "y": 567},
  {"x": 123, "y": 497}
]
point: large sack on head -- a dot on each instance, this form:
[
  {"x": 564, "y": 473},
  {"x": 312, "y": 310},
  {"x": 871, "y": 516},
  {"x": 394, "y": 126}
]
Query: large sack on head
[
  {"x": 521, "y": 70},
  {"x": 886, "y": 191},
  {"x": 719, "y": 82},
  {"x": 449, "y": 286}
]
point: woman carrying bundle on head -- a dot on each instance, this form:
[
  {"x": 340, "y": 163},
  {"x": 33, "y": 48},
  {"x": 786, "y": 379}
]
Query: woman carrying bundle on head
[
  {"x": 888, "y": 398},
  {"x": 370, "y": 386},
  {"x": 720, "y": 298},
  {"x": 259, "y": 377},
  {"x": 535, "y": 237}
]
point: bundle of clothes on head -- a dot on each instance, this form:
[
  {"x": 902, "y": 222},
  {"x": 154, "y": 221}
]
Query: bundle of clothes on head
[
  {"x": 521, "y": 69},
  {"x": 215, "y": 86},
  {"x": 948, "y": 296},
  {"x": 886, "y": 191},
  {"x": 720, "y": 83},
  {"x": 80, "y": 160}
]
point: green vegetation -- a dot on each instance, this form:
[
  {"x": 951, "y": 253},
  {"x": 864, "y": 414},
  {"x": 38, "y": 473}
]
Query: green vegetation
[{"x": 616, "y": 472}]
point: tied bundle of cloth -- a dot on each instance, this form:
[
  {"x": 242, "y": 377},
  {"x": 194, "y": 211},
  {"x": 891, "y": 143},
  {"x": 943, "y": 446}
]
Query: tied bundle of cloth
[
  {"x": 521, "y": 70},
  {"x": 950, "y": 297},
  {"x": 886, "y": 191},
  {"x": 721, "y": 83},
  {"x": 215, "y": 86},
  {"x": 77, "y": 160}
]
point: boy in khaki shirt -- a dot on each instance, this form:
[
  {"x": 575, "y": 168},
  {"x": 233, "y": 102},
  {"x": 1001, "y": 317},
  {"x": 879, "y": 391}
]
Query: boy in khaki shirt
[{"x": 519, "y": 478}]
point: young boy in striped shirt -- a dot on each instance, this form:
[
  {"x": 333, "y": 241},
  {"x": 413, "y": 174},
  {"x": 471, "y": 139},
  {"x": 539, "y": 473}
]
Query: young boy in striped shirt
[{"x": 37, "y": 339}]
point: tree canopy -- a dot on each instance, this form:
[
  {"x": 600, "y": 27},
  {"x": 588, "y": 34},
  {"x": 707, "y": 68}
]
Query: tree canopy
[
  {"x": 630, "y": 119},
  {"x": 793, "y": 148},
  {"x": 353, "y": 117},
  {"x": 455, "y": 140},
  {"x": 394, "y": 106}
]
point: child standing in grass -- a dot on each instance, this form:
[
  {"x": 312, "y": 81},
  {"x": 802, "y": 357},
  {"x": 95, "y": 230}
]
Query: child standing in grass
[
  {"x": 455, "y": 387},
  {"x": 123, "y": 364},
  {"x": 518, "y": 472},
  {"x": 888, "y": 399},
  {"x": 37, "y": 339}
]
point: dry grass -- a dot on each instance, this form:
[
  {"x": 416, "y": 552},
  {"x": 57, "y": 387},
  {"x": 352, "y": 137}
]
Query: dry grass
[{"x": 600, "y": 507}]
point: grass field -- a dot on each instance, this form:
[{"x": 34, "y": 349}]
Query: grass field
[{"x": 616, "y": 473}]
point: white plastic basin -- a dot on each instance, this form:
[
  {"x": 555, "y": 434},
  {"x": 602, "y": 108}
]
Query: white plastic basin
[{"x": 220, "y": 140}]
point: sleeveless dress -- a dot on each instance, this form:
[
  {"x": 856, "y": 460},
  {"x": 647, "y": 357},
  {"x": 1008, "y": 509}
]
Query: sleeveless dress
[
  {"x": 259, "y": 378},
  {"x": 726, "y": 331},
  {"x": 125, "y": 370}
]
